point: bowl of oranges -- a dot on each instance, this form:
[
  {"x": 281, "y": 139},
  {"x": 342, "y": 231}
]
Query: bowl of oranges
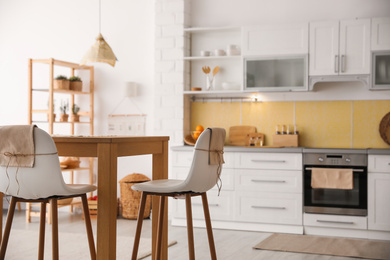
[
  {"x": 194, "y": 135},
  {"x": 198, "y": 130}
]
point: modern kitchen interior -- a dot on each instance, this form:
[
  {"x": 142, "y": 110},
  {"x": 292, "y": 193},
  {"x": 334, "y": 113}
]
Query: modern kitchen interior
[{"x": 301, "y": 88}]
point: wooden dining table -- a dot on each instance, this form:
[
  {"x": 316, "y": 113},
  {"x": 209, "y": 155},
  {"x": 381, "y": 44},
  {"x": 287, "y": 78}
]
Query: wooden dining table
[{"x": 107, "y": 149}]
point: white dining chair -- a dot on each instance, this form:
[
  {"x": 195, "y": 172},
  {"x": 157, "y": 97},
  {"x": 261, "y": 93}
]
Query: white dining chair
[
  {"x": 204, "y": 174},
  {"x": 42, "y": 183}
]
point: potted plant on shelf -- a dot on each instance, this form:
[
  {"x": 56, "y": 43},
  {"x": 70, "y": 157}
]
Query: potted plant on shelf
[
  {"x": 74, "y": 116},
  {"x": 64, "y": 109},
  {"x": 61, "y": 82},
  {"x": 75, "y": 83}
]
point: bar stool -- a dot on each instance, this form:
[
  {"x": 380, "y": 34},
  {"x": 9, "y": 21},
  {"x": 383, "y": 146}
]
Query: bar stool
[
  {"x": 204, "y": 174},
  {"x": 42, "y": 183}
]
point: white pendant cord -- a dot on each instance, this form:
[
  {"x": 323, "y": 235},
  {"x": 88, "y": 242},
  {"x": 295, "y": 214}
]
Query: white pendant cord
[{"x": 100, "y": 16}]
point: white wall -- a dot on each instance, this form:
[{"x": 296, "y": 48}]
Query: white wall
[
  {"x": 252, "y": 12},
  {"x": 65, "y": 30}
]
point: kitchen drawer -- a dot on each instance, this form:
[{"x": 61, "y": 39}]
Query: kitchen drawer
[
  {"x": 334, "y": 221},
  {"x": 273, "y": 161},
  {"x": 273, "y": 208},
  {"x": 227, "y": 177},
  {"x": 269, "y": 180},
  {"x": 379, "y": 163},
  {"x": 221, "y": 207},
  {"x": 181, "y": 158}
]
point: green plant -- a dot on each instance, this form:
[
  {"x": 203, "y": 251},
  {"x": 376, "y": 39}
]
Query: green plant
[
  {"x": 75, "y": 109},
  {"x": 61, "y": 77},
  {"x": 74, "y": 78},
  {"x": 64, "y": 107}
]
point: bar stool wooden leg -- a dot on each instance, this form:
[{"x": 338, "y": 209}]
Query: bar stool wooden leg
[
  {"x": 88, "y": 226},
  {"x": 8, "y": 225},
  {"x": 160, "y": 227},
  {"x": 42, "y": 223},
  {"x": 54, "y": 227},
  {"x": 28, "y": 212},
  {"x": 208, "y": 226},
  {"x": 190, "y": 231},
  {"x": 1, "y": 219},
  {"x": 139, "y": 225}
]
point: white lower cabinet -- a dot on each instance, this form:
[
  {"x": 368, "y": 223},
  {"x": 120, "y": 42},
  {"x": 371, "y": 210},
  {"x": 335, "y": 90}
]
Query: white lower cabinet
[
  {"x": 379, "y": 192},
  {"x": 335, "y": 221},
  {"x": 260, "y": 192},
  {"x": 272, "y": 208}
]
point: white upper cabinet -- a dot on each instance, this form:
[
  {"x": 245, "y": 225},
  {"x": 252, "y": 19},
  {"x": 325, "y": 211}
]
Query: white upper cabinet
[
  {"x": 380, "y": 39},
  {"x": 280, "y": 39},
  {"x": 340, "y": 48},
  {"x": 324, "y": 48}
]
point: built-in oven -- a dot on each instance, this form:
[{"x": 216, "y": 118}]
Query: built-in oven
[{"x": 338, "y": 201}]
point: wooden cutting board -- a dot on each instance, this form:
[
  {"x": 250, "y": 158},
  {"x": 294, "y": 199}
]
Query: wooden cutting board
[{"x": 239, "y": 135}]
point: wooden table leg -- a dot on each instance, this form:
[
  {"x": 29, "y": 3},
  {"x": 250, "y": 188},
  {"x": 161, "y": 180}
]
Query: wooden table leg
[
  {"x": 107, "y": 201},
  {"x": 160, "y": 171},
  {"x": 1, "y": 219}
]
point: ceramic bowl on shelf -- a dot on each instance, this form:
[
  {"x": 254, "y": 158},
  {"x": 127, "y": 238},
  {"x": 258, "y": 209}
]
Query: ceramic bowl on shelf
[
  {"x": 230, "y": 86},
  {"x": 219, "y": 52},
  {"x": 233, "y": 52},
  {"x": 204, "y": 53}
]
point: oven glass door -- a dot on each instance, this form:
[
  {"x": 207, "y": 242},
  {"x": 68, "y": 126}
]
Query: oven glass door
[{"x": 337, "y": 201}]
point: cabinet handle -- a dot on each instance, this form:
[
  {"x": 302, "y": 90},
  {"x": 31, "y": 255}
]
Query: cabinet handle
[
  {"x": 335, "y": 222},
  {"x": 342, "y": 63},
  {"x": 277, "y": 181},
  {"x": 265, "y": 207},
  {"x": 336, "y": 63},
  {"x": 268, "y": 161}
]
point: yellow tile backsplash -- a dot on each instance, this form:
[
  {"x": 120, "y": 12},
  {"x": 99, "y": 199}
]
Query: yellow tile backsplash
[{"x": 321, "y": 124}]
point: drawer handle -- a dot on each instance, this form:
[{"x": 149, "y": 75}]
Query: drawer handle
[
  {"x": 335, "y": 222},
  {"x": 269, "y": 161},
  {"x": 210, "y": 204},
  {"x": 273, "y": 181},
  {"x": 265, "y": 207}
]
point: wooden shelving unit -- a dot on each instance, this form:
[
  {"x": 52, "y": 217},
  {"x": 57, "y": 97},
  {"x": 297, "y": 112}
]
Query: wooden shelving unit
[{"x": 49, "y": 88}]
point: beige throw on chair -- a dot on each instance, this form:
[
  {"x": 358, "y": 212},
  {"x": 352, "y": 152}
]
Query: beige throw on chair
[{"x": 17, "y": 140}]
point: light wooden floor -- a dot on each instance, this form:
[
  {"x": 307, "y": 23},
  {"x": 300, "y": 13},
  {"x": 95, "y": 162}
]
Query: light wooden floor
[{"x": 230, "y": 245}]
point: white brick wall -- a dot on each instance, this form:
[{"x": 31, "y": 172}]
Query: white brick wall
[{"x": 171, "y": 16}]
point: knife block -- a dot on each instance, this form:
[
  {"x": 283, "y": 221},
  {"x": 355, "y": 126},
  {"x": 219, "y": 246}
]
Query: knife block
[{"x": 285, "y": 140}]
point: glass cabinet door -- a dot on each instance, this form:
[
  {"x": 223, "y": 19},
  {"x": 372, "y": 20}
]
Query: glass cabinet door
[
  {"x": 276, "y": 74},
  {"x": 381, "y": 70}
]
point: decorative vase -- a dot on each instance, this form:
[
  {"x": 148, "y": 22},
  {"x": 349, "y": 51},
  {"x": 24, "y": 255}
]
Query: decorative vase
[
  {"x": 74, "y": 118},
  {"x": 76, "y": 85},
  {"x": 209, "y": 82},
  {"x": 64, "y": 117},
  {"x": 53, "y": 116},
  {"x": 61, "y": 84}
]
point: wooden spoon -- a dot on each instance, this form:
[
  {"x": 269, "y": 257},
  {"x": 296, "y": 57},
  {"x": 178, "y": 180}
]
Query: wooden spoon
[
  {"x": 215, "y": 70},
  {"x": 206, "y": 69}
]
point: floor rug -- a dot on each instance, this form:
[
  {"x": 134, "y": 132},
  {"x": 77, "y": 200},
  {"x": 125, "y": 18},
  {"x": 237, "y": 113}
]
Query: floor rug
[
  {"x": 23, "y": 244},
  {"x": 361, "y": 248}
]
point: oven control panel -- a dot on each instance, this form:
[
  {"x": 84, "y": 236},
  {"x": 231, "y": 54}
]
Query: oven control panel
[{"x": 335, "y": 159}]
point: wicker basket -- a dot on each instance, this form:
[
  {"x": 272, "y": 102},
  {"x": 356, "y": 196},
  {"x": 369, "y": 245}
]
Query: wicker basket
[
  {"x": 76, "y": 85},
  {"x": 61, "y": 84},
  {"x": 130, "y": 199}
]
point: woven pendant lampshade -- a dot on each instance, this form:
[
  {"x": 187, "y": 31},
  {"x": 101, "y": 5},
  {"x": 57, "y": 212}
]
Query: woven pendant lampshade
[{"x": 100, "y": 52}]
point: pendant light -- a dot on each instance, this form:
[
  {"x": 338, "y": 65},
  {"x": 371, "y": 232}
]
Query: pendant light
[{"x": 100, "y": 51}]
